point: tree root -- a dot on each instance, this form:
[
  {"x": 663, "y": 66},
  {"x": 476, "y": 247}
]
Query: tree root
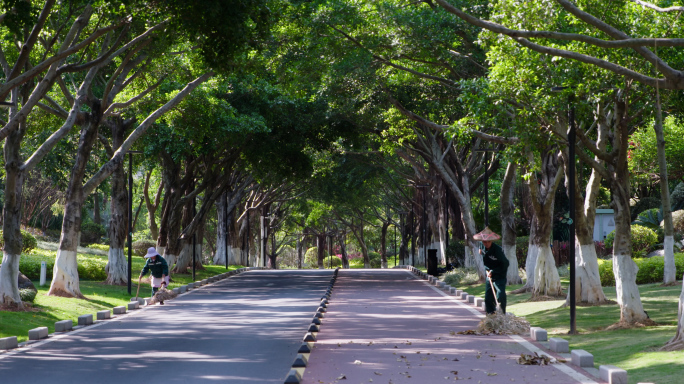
[
  {"x": 626, "y": 325},
  {"x": 677, "y": 345}
]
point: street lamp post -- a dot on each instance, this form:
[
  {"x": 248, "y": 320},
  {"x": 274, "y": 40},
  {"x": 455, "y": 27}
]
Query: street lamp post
[
  {"x": 130, "y": 215},
  {"x": 571, "y": 206},
  {"x": 402, "y": 214}
]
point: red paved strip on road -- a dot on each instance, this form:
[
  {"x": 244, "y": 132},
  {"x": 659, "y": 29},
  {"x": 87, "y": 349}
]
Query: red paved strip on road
[{"x": 386, "y": 326}]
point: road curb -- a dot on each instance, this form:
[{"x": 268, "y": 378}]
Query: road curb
[{"x": 294, "y": 376}]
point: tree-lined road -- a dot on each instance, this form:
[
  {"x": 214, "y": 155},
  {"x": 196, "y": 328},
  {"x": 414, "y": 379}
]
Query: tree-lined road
[{"x": 245, "y": 329}]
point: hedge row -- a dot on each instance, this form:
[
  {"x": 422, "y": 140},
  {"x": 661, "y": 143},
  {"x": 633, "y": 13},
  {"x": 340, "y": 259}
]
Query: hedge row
[
  {"x": 650, "y": 269},
  {"x": 89, "y": 268}
]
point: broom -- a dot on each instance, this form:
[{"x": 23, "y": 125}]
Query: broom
[{"x": 499, "y": 310}]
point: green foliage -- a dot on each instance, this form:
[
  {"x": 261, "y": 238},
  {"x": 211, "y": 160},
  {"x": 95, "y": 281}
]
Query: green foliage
[
  {"x": 678, "y": 221},
  {"x": 89, "y": 267},
  {"x": 650, "y": 218},
  {"x": 455, "y": 252},
  {"x": 92, "y": 232},
  {"x": 336, "y": 262},
  {"x": 677, "y": 197},
  {"x": 27, "y": 295},
  {"x": 643, "y": 239},
  {"x": 643, "y": 205},
  {"x": 375, "y": 259},
  {"x": 29, "y": 242},
  {"x": 101, "y": 247},
  {"x": 650, "y": 269},
  {"x": 140, "y": 247},
  {"x": 461, "y": 276},
  {"x": 311, "y": 257}
]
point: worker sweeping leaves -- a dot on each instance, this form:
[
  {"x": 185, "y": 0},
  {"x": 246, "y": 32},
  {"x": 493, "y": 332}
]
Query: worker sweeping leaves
[
  {"x": 159, "y": 269},
  {"x": 496, "y": 266}
]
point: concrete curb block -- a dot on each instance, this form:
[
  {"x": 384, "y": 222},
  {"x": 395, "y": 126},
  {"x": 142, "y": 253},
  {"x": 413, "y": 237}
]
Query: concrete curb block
[
  {"x": 84, "y": 320},
  {"x": 134, "y": 305},
  {"x": 64, "y": 325},
  {"x": 612, "y": 374},
  {"x": 478, "y": 302},
  {"x": 104, "y": 315},
  {"x": 582, "y": 358},
  {"x": 9, "y": 342},
  {"x": 558, "y": 345},
  {"x": 38, "y": 333}
]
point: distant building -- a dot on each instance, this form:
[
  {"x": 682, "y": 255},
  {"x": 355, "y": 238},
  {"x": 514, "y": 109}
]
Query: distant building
[{"x": 604, "y": 223}]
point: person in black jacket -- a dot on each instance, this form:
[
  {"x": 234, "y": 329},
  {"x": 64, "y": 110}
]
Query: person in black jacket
[
  {"x": 159, "y": 269},
  {"x": 496, "y": 265}
]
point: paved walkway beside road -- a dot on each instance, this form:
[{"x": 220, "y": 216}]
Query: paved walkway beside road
[{"x": 386, "y": 326}]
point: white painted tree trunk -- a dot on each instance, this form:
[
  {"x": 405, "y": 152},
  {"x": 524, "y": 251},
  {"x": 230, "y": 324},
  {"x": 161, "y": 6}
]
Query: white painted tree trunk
[
  {"x": 161, "y": 249},
  {"x": 670, "y": 270},
  {"x": 530, "y": 265},
  {"x": 625, "y": 270},
  {"x": 587, "y": 280},
  {"x": 9, "y": 277},
  {"x": 117, "y": 267},
  {"x": 546, "y": 279},
  {"x": 512, "y": 276},
  {"x": 65, "y": 275},
  {"x": 677, "y": 342}
]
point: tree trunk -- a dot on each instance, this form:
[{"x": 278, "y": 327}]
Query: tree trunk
[
  {"x": 624, "y": 268},
  {"x": 508, "y": 235},
  {"x": 588, "y": 288},
  {"x": 320, "y": 244},
  {"x": 11, "y": 224},
  {"x": 343, "y": 249},
  {"x": 97, "y": 219},
  {"x": 65, "y": 273},
  {"x": 222, "y": 232},
  {"x": 184, "y": 260},
  {"x": 117, "y": 265},
  {"x": 543, "y": 193},
  {"x": 677, "y": 342},
  {"x": 383, "y": 244},
  {"x": 670, "y": 270}
]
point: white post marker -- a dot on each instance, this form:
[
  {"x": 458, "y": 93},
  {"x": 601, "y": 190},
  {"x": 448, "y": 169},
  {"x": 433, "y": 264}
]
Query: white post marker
[{"x": 43, "y": 272}]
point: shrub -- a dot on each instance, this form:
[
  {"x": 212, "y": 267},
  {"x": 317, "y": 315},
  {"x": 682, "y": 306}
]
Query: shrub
[
  {"x": 461, "y": 276},
  {"x": 677, "y": 197},
  {"x": 643, "y": 239},
  {"x": 336, "y": 262},
  {"x": 455, "y": 252},
  {"x": 28, "y": 242},
  {"x": 678, "y": 221},
  {"x": 644, "y": 204},
  {"x": 89, "y": 268},
  {"x": 101, "y": 247},
  {"x": 375, "y": 259},
  {"x": 311, "y": 257},
  {"x": 27, "y": 295},
  {"x": 650, "y": 269},
  {"x": 92, "y": 232},
  {"x": 140, "y": 246}
]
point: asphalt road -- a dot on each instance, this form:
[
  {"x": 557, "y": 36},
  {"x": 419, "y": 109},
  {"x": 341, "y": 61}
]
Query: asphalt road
[{"x": 244, "y": 329}]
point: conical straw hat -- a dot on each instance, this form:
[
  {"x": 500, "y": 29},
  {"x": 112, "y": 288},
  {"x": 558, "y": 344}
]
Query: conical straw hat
[{"x": 486, "y": 235}]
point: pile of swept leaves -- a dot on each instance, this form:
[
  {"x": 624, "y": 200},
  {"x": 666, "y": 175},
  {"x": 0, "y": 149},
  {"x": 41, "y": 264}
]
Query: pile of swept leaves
[
  {"x": 534, "y": 359},
  {"x": 500, "y": 324},
  {"x": 163, "y": 294}
]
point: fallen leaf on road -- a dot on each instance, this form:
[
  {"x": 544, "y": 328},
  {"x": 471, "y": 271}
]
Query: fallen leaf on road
[
  {"x": 341, "y": 377},
  {"x": 371, "y": 343},
  {"x": 452, "y": 333},
  {"x": 491, "y": 374},
  {"x": 455, "y": 359},
  {"x": 454, "y": 372},
  {"x": 378, "y": 373},
  {"x": 358, "y": 362}
]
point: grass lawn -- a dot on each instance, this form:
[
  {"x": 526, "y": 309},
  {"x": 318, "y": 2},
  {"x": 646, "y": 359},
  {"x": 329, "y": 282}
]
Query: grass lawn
[
  {"x": 634, "y": 350},
  {"x": 49, "y": 309}
]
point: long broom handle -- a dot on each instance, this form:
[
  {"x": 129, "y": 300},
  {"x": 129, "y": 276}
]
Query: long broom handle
[
  {"x": 493, "y": 291},
  {"x": 138, "y": 291}
]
